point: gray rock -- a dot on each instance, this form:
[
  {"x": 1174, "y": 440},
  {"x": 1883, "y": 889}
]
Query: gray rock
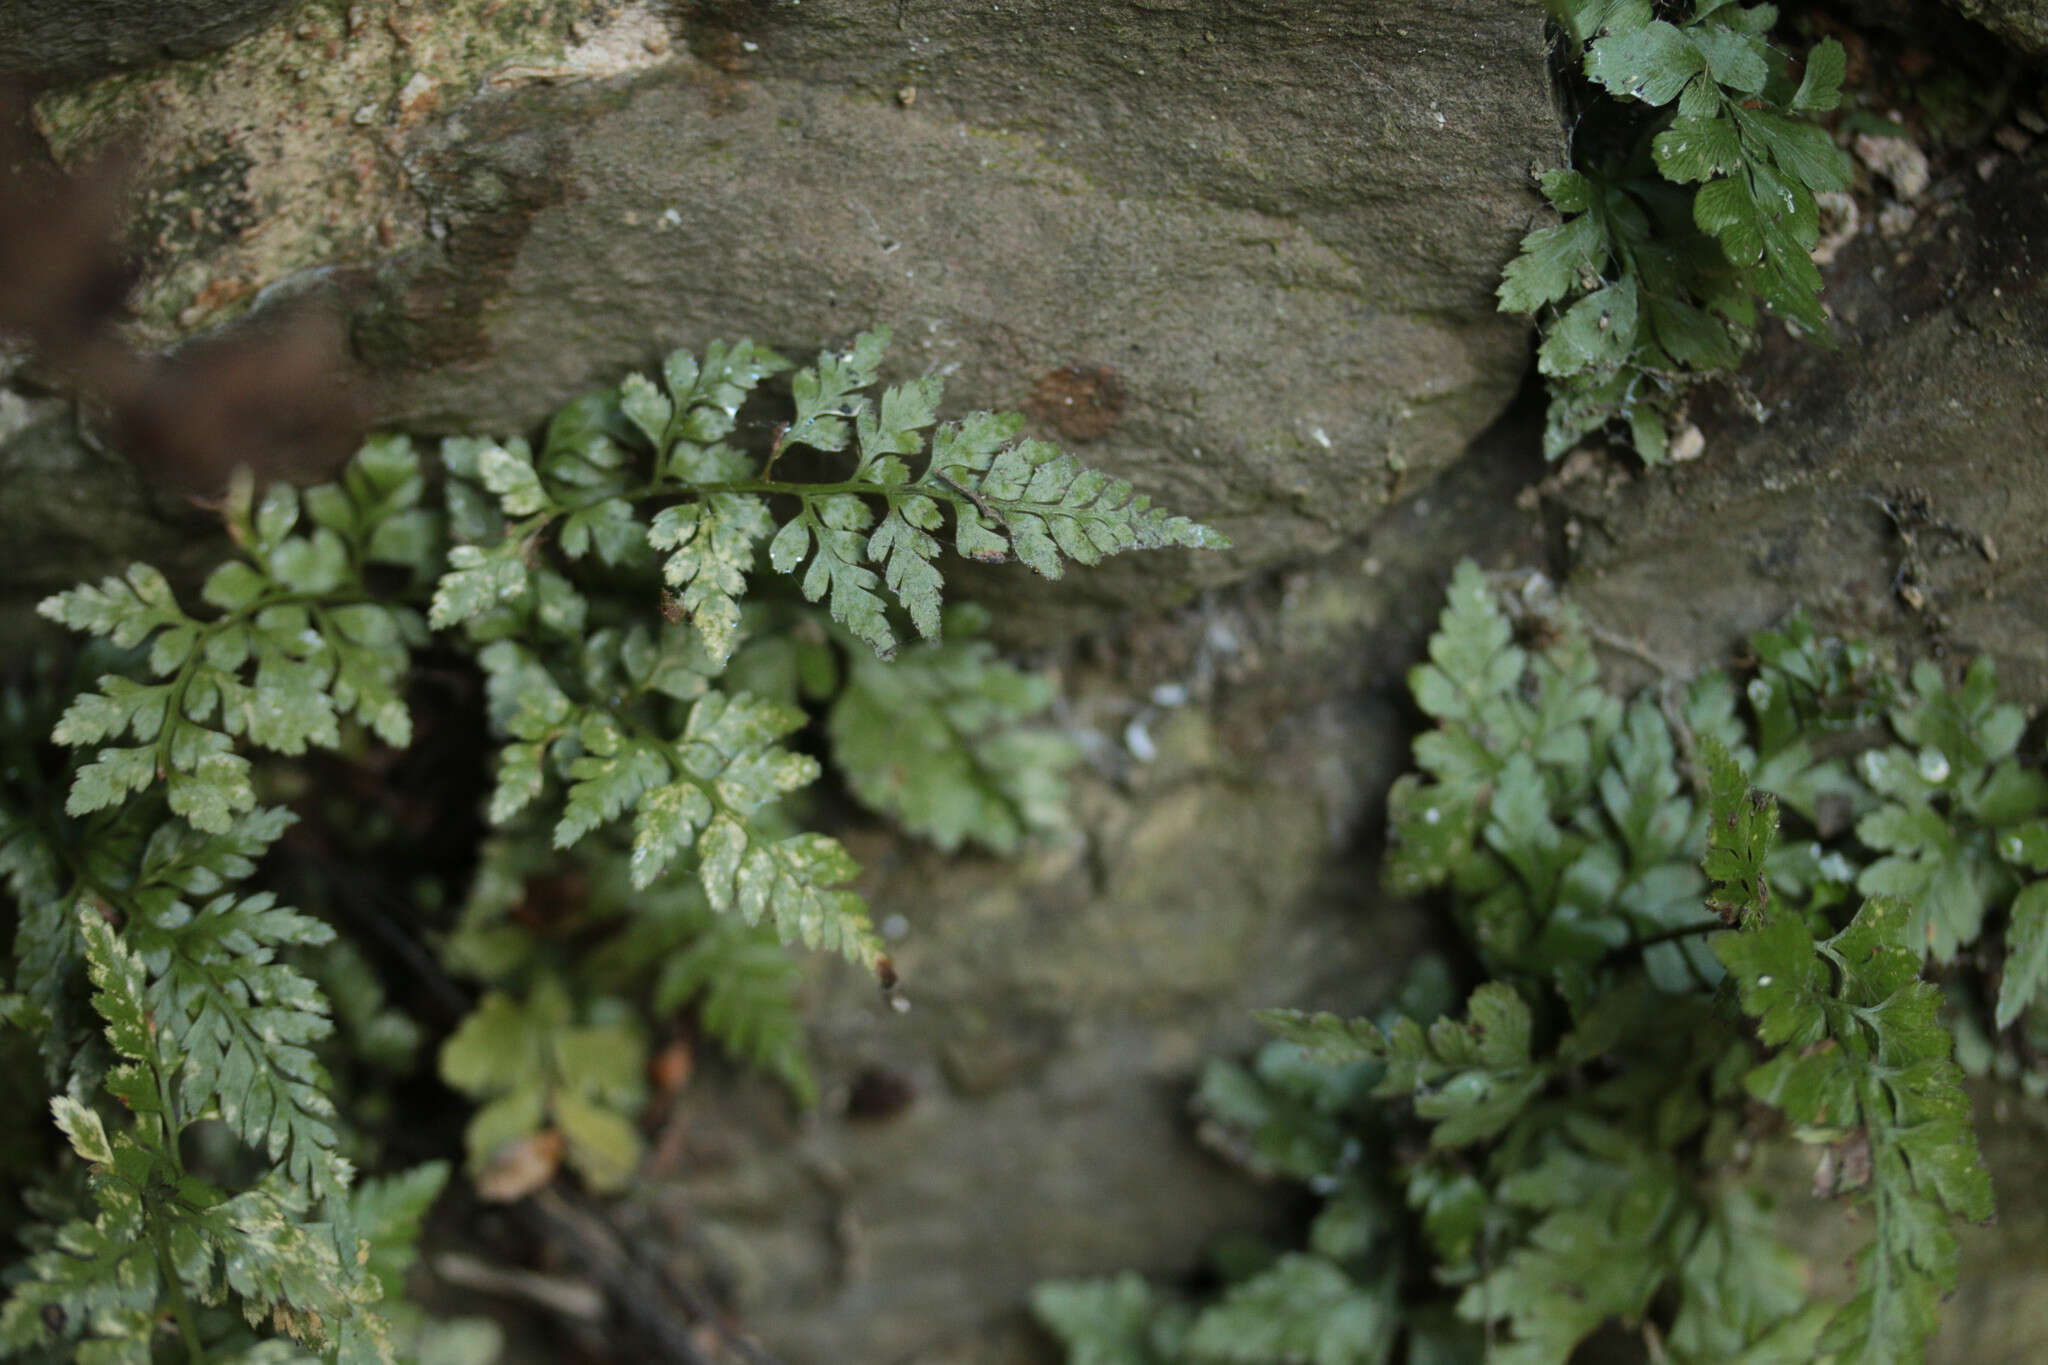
[
  {"x": 1897, "y": 487},
  {"x": 1272, "y": 236},
  {"x": 70, "y": 512},
  {"x": 1242, "y": 254},
  {"x": 49, "y": 41}
]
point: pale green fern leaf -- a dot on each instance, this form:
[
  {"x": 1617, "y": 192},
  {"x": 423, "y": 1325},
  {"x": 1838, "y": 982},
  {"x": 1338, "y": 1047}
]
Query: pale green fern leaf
[
  {"x": 938, "y": 739},
  {"x": 1304, "y": 1309},
  {"x": 713, "y": 544}
]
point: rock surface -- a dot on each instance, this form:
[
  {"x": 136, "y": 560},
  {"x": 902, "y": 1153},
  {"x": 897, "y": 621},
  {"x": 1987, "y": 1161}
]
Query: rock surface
[
  {"x": 1244, "y": 255},
  {"x": 73, "y": 40},
  {"x": 70, "y": 513},
  {"x": 1898, "y": 486}
]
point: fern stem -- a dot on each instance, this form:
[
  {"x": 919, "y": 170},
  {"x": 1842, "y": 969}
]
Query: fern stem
[
  {"x": 1707, "y": 926},
  {"x": 181, "y": 1307}
]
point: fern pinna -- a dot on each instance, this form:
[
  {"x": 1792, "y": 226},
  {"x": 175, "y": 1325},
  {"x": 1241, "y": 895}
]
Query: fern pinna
[{"x": 598, "y": 577}]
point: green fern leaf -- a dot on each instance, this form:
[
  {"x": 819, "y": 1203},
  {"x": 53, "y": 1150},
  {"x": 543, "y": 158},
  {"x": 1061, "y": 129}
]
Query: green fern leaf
[
  {"x": 292, "y": 609},
  {"x": 1956, "y": 810},
  {"x": 1597, "y": 333},
  {"x": 696, "y": 792},
  {"x": 1820, "y": 87},
  {"x": 236, "y": 1020},
  {"x": 1742, "y": 828},
  {"x": 906, "y": 410},
  {"x": 1329, "y": 1038},
  {"x": 837, "y": 526},
  {"x": 1304, "y": 1309},
  {"x": 243, "y": 1021},
  {"x": 478, "y": 579},
  {"x": 742, "y": 983},
  {"x": 1596, "y": 1254},
  {"x": 714, "y": 543},
  {"x": 828, "y": 394},
  {"x": 98, "y": 1277},
  {"x": 2026, "y": 963},
  {"x": 1651, "y": 63},
  {"x": 794, "y": 882},
  {"x": 1045, "y": 502},
  {"x": 1472, "y": 1077},
  {"x": 120, "y": 997},
  {"x": 534, "y": 1064},
  {"x": 937, "y": 739},
  {"x": 1740, "y": 1290},
  {"x": 1886, "y": 1083},
  {"x": 708, "y": 397},
  {"x": 1116, "y": 1321},
  {"x": 905, "y": 547}
]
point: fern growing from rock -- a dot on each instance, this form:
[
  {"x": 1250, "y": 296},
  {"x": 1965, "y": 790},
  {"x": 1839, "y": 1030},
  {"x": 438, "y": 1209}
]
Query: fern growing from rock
[
  {"x": 1667, "y": 981},
  {"x": 598, "y": 579},
  {"x": 1690, "y": 202}
]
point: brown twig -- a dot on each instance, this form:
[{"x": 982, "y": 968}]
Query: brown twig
[{"x": 638, "y": 1285}]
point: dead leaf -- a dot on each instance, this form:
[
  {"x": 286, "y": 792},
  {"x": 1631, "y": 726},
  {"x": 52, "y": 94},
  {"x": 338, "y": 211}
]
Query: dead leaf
[{"x": 520, "y": 1167}]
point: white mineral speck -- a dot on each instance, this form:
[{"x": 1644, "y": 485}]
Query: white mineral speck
[{"x": 1139, "y": 741}]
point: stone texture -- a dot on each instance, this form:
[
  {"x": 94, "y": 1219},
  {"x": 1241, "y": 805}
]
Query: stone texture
[
  {"x": 1935, "y": 403},
  {"x": 71, "y": 40},
  {"x": 70, "y": 511},
  {"x": 1274, "y": 228},
  {"x": 1279, "y": 228}
]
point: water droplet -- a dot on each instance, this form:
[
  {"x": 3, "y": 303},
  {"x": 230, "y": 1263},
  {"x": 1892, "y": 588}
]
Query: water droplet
[
  {"x": 1764, "y": 980},
  {"x": 1431, "y": 816},
  {"x": 1934, "y": 765}
]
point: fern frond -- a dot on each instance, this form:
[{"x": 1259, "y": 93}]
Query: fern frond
[
  {"x": 1863, "y": 1061},
  {"x": 939, "y": 739},
  {"x": 742, "y": 984},
  {"x": 859, "y": 544},
  {"x": 696, "y": 793},
  {"x": 298, "y": 642},
  {"x": 1649, "y": 283},
  {"x": 537, "y": 1068}
]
